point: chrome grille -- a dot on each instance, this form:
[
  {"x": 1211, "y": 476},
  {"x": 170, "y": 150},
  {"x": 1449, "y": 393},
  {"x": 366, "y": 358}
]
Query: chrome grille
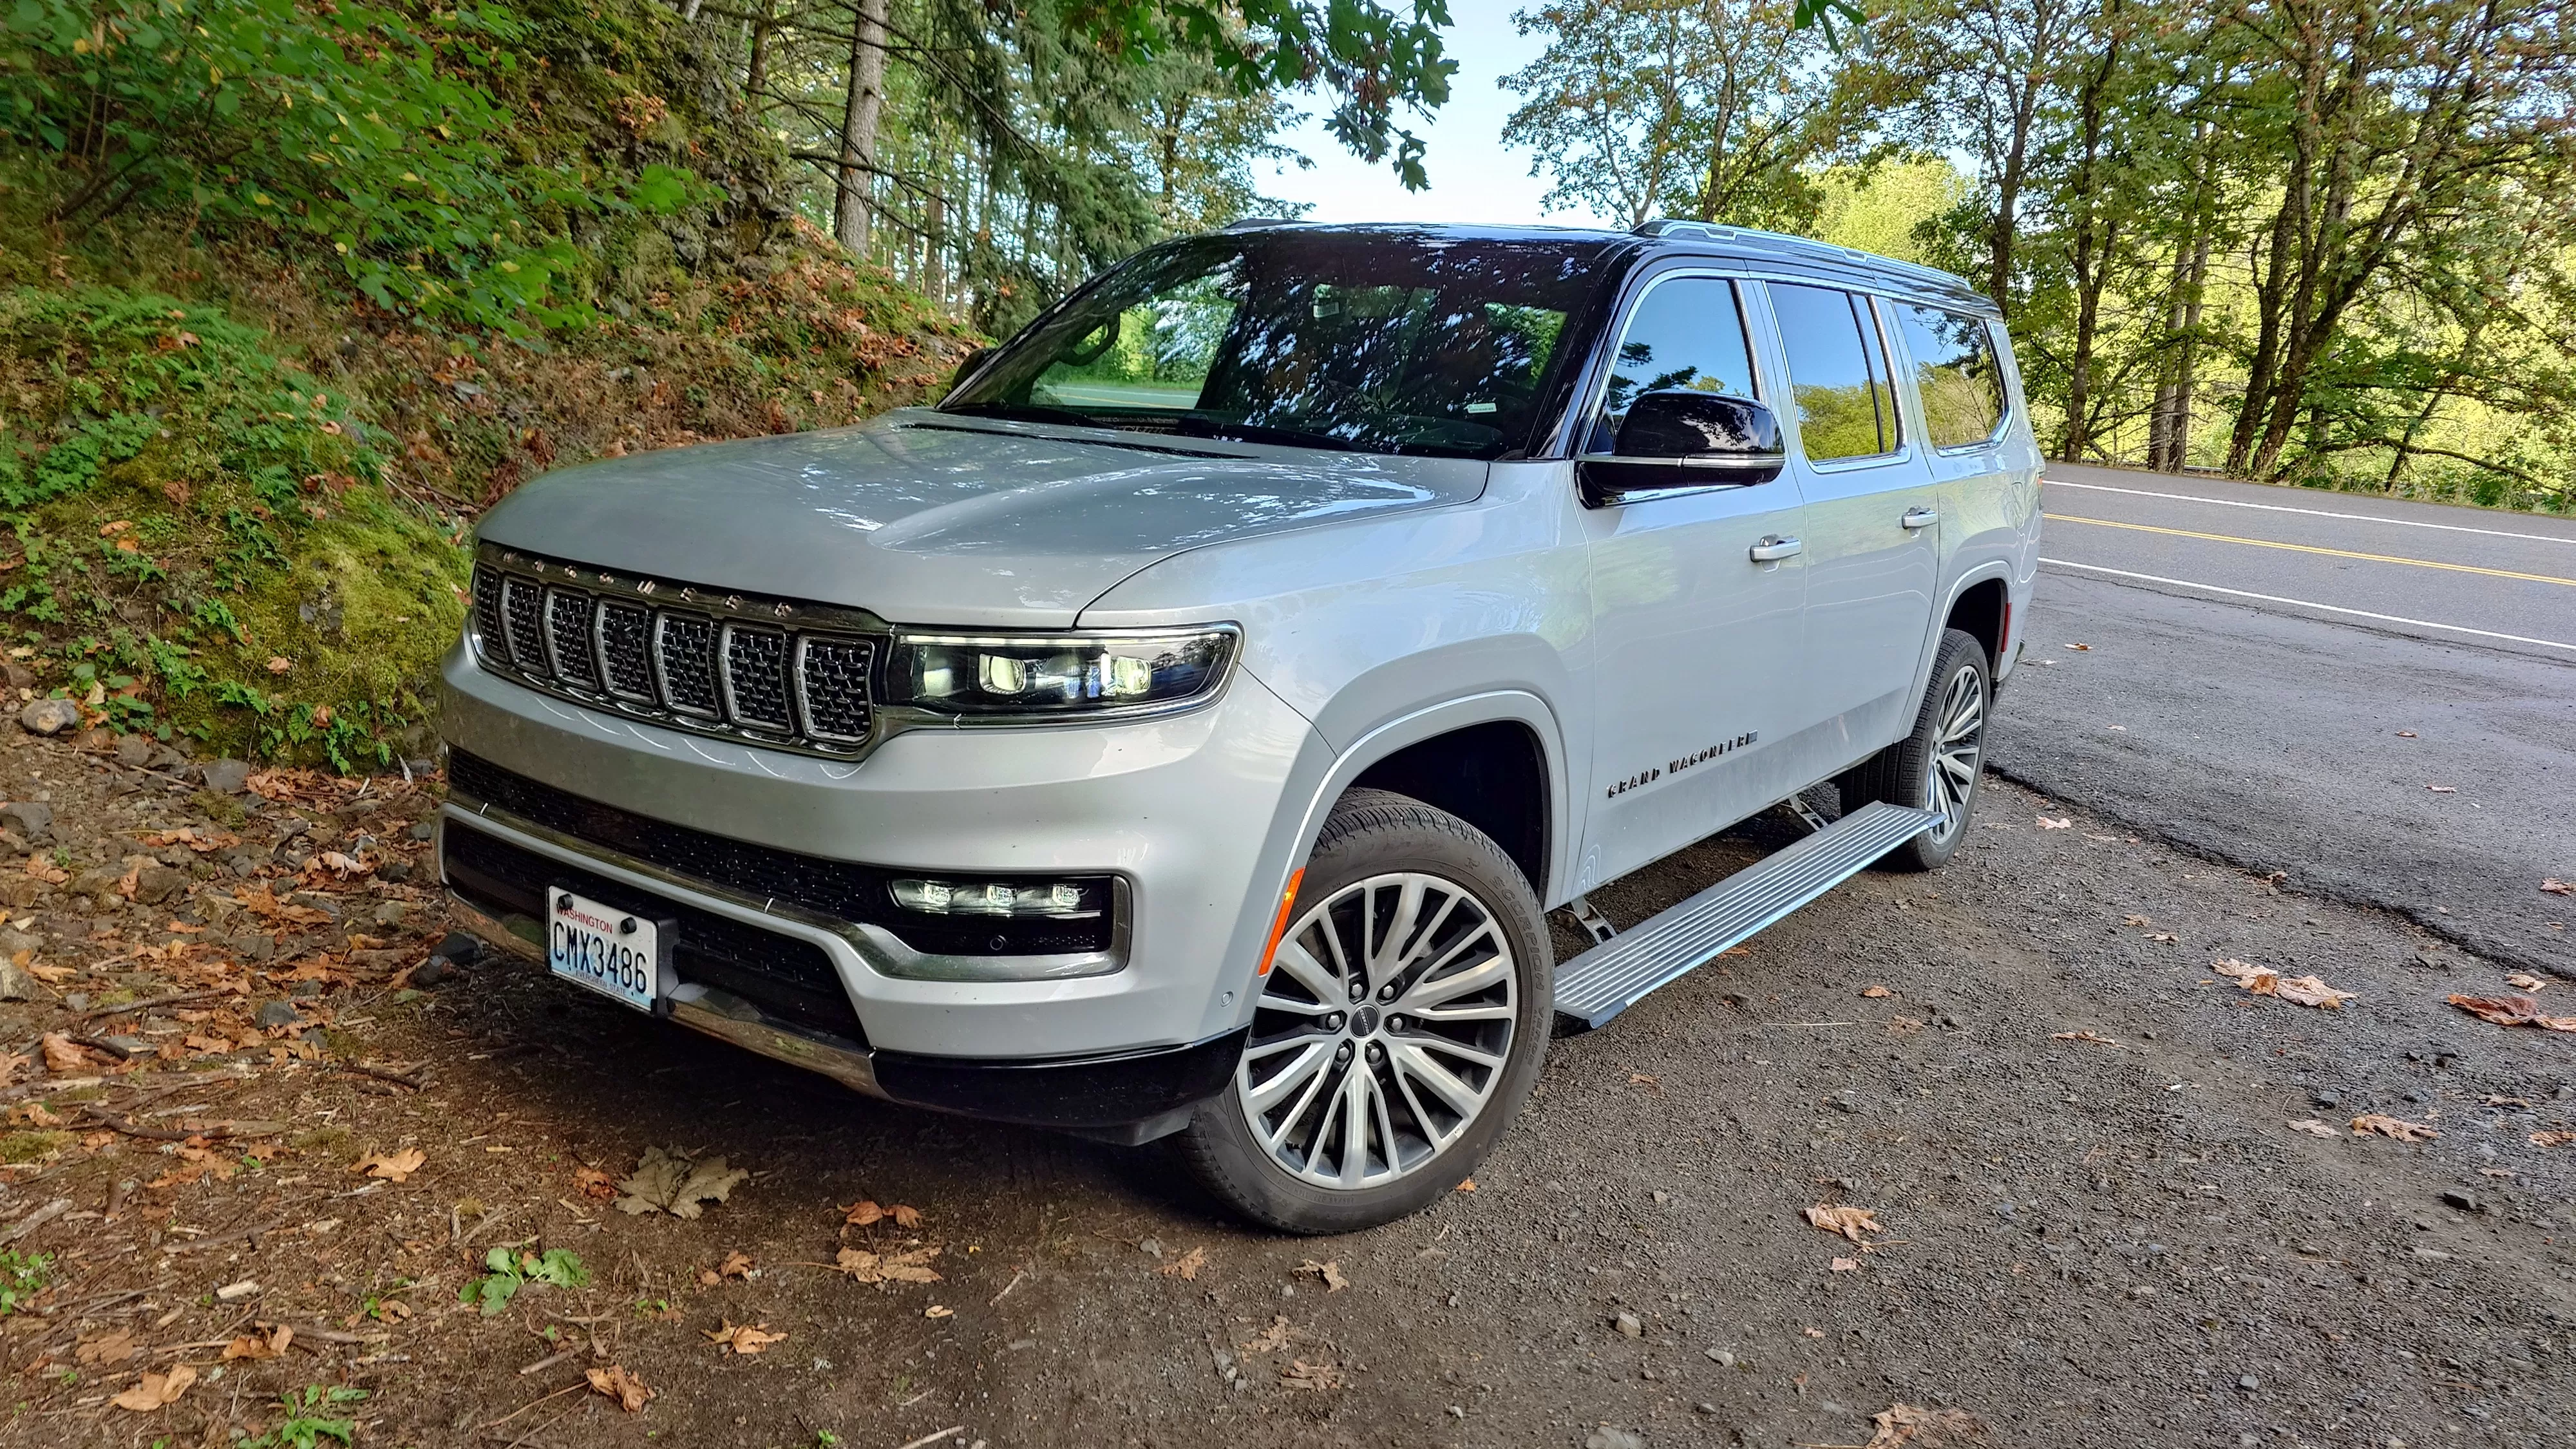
[{"x": 682, "y": 656}]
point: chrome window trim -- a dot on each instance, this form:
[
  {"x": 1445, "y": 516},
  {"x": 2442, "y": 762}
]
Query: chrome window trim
[{"x": 1600, "y": 385}]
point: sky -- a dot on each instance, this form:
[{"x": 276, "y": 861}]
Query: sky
[{"x": 1473, "y": 177}]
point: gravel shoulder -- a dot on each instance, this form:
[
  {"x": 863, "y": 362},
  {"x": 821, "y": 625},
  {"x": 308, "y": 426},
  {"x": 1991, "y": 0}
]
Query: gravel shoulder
[{"x": 2080, "y": 1241}]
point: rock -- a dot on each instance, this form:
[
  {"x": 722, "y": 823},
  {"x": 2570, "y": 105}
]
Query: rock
[
  {"x": 12, "y": 844},
  {"x": 154, "y": 884},
  {"x": 322, "y": 903},
  {"x": 255, "y": 946},
  {"x": 236, "y": 1292},
  {"x": 13, "y": 941},
  {"x": 458, "y": 947},
  {"x": 392, "y": 913},
  {"x": 436, "y": 971},
  {"x": 307, "y": 990},
  {"x": 1150, "y": 1247},
  {"x": 134, "y": 750},
  {"x": 227, "y": 777},
  {"x": 423, "y": 830},
  {"x": 2464, "y": 1202},
  {"x": 275, "y": 1014},
  {"x": 95, "y": 739},
  {"x": 2249, "y": 1383},
  {"x": 2323, "y": 1097},
  {"x": 20, "y": 891},
  {"x": 19, "y": 675},
  {"x": 33, "y": 819},
  {"x": 15, "y": 983},
  {"x": 49, "y": 716},
  {"x": 396, "y": 871},
  {"x": 1721, "y": 1358},
  {"x": 1631, "y": 1325},
  {"x": 1844, "y": 1102},
  {"x": 1606, "y": 1437},
  {"x": 97, "y": 882}
]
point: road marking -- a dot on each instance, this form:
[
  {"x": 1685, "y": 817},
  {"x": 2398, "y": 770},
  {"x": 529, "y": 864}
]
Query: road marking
[
  {"x": 2421, "y": 563},
  {"x": 2313, "y": 512},
  {"x": 2309, "y": 604}
]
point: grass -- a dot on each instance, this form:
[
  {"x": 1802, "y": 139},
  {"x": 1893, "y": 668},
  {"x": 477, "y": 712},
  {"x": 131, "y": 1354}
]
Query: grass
[
  {"x": 22, "y": 1276},
  {"x": 32, "y": 1146}
]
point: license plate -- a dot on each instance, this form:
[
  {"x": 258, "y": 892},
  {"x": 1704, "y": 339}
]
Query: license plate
[{"x": 615, "y": 953}]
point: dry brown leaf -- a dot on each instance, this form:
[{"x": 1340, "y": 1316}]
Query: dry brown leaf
[
  {"x": 2386, "y": 1126},
  {"x": 155, "y": 1390},
  {"x": 1270, "y": 1339},
  {"x": 939, "y": 1310},
  {"x": 736, "y": 1264},
  {"x": 1467, "y": 1184},
  {"x": 745, "y": 1338},
  {"x": 2313, "y": 1127},
  {"x": 1844, "y": 1265},
  {"x": 107, "y": 1349},
  {"x": 666, "y": 1182},
  {"x": 1315, "y": 1377},
  {"x": 2558, "y": 887},
  {"x": 2310, "y": 991},
  {"x": 2060, "y": 823},
  {"x": 2524, "y": 981},
  {"x": 391, "y": 1166},
  {"x": 1329, "y": 1273},
  {"x": 46, "y": 871},
  {"x": 2261, "y": 980},
  {"x": 596, "y": 1185},
  {"x": 2511, "y": 1011},
  {"x": 1850, "y": 1222},
  {"x": 865, "y": 1213},
  {"x": 2135, "y": 921},
  {"x": 1642, "y": 1079},
  {"x": 62, "y": 1054},
  {"x": 1875, "y": 992},
  {"x": 1910, "y": 1426},
  {"x": 912, "y": 1266},
  {"x": 279, "y": 664},
  {"x": 618, "y": 1384},
  {"x": 1186, "y": 1267},
  {"x": 2552, "y": 1139},
  {"x": 252, "y": 1346}
]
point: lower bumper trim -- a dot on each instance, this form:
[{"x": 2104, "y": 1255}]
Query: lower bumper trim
[{"x": 1128, "y": 1097}]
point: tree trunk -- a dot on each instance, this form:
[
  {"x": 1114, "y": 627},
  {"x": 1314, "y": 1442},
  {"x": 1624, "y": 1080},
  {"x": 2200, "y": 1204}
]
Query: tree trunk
[
  {"x": 756, "y": 78},
  {"x": 853, "y": 207},
  {"x": 2170, "y": 450}
]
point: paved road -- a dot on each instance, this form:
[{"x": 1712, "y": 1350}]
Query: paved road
[{"x": 2280, "y": 678}]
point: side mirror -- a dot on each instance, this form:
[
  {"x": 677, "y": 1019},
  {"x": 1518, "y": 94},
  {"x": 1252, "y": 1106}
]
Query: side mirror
[
  {"x": 966, "y": 366},
  {"x": 1684, "y": 439}
]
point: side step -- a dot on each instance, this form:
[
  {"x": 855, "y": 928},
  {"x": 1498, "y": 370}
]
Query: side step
[{"x": 1617, "y": 974}]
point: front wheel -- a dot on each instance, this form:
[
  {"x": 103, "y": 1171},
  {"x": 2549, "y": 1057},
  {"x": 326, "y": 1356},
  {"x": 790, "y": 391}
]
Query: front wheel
[
  {"x": 1940, "y": 765},
  {"x": 1396, "y": 1033}
]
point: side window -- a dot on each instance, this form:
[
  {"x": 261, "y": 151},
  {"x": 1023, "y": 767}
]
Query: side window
[
  {"x": 1837, "y": 372},
  {"x": 1685, "y": 333},
  {"x": 1955, "y": 371}
]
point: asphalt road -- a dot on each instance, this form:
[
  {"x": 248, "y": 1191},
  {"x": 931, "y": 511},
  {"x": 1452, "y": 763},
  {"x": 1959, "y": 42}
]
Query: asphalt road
[{"x": 2377, "y": 697}]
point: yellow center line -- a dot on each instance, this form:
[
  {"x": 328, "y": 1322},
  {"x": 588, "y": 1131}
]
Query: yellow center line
[{"x": 2390, "y": 558}]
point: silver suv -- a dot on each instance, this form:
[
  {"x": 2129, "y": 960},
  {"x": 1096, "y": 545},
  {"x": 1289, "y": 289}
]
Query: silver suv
[{"x": 1181, "y": 730}]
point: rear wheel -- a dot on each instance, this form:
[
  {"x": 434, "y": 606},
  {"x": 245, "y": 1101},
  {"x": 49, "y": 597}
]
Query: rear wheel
[
  {"x": 1397, "y": 1031},
  {"x": 1940, "y": 765}
]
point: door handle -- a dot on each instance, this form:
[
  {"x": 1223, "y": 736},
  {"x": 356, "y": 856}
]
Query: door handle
[
  {"x": 1774, "y": 548},
  {"x": 1920, "y": 517}
]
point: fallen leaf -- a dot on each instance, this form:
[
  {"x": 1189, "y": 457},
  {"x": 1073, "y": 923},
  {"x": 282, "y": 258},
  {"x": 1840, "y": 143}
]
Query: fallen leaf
[
  {"x": 391, "y": 1166},
  {"x": 2552, "y": 1139},
  {"x": 46, "y": 871},
  {"x": 1909, "y": 1426},
  {"x": 1186, "y": 1267},
  {"x": 1812, "y": 1332},
  {"x": 1851, "y": 1222},
  {"x": 156, "y": 1390},
  {"x": 2524, "y": 981},
  {"x": 1270, "y": 1339},
  {"x": 665, "y": 1182},
  {"x": 2313, "y": 1127},
  {"x": 2168, "y": 937},
  {"x": 2086, "y": 647},
  {"x": 1330, "y": 1273},
  {"x": 2135, "y": 921},
  {"x": 2061, "y": 823},
  {"x": 2558, "y": 887},
  {"x": 2258, "y": 979},
  {"x": 62, "y": 1054},
  {"x": 594, "y": 1184},
  {"x": 1844, "y": 1265},
  {"x": 2511, "y": 1011},
  {"x": 1466, "y": 1185},
  {"x": 107, "y": 1349},
  {"x": 252, "y": 1346},
  {"x": 2385, "y": 1126},
  {"x": 906, "y": 1267},
  {"x": 1300, "y": 1374},
  {"x": 865, "y": 1213},
  {"x": 744, "y": 1338},
  {"x": 939, "y": 1310},
  {"x": 2495, "y": 1101},
  {"x": 279, "y": 664},
  {"x": 1641, "y": 1079},
  {"x": 2082, "y": 1036},
  {"x": 1876, "y": 992},
  {"x": 618, "y": 1384},
  {"x": 2310, "y": 991}
]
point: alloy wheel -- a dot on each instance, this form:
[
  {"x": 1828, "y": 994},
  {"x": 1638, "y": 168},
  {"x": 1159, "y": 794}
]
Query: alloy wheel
[
  {"x": 1381, "y": 1032},
  {"x": 1958, "y": 749}
]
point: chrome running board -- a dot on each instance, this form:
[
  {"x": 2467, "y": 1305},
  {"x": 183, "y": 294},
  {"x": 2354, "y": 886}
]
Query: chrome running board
[{"x": 1617, "y": 974}]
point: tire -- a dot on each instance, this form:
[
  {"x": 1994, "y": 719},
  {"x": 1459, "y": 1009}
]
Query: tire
[
  {"x": 1949, "y": 729},
  {"x": 1435, "y": 1084}
]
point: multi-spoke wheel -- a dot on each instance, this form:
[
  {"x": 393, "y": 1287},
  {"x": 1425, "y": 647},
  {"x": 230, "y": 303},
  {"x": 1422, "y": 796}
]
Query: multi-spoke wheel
[
  {"x": 1396, "y": 1031},
  {"x": 1939, "y": 765}
]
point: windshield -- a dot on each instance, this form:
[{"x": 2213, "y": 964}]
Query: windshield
[{"x": 1393, "y": 341}]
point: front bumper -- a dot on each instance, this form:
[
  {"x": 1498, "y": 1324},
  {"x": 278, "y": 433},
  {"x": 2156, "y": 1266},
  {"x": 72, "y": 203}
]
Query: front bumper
[{"x": 1127, "y": 1097}]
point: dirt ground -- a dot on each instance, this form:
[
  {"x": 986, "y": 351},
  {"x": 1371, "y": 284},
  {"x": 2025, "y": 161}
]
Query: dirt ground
[{"x": 2094, "y": 1220}]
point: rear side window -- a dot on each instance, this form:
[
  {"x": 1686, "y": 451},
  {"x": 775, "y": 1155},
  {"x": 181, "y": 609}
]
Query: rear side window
[
  {"x": 1837, "y": 372},
  {"x": 1687, "y": 333},
  {"x": 1955, "y": 371}
]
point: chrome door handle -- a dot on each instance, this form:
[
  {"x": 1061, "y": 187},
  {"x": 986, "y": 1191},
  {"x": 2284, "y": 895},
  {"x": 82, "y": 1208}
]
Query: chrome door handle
[
  {"x": 1920, "y": 517},
  {"x": 1774, "y": 548}
]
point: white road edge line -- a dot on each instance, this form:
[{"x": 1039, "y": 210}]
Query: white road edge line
[
  {"x": 2064, "y": 563},
  {"x": 2312, "y": 512}
]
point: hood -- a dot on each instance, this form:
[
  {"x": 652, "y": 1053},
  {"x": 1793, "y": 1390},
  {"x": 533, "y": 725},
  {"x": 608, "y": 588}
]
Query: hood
[{"x": 925, "y": 518}]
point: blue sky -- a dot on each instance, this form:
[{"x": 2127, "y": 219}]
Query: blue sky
[{"x": 1473, "y": 178}]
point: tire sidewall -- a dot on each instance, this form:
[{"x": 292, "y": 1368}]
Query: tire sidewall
[
  {"x": 1374, "y": 833},
  {"x": 1959, "y": 650}
]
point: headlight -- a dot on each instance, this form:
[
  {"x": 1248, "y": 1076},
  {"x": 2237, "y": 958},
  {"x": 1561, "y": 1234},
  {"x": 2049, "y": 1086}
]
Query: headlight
[{"x": 1053, "y": 676}]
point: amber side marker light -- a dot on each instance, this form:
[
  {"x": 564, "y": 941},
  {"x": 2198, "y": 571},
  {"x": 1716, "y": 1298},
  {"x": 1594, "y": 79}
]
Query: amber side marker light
[{"x": 1279, "y": 927}]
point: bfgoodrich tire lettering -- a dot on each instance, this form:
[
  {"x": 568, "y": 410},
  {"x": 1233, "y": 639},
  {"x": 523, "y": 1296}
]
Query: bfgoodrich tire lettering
[{"x": 1395, "y": 1036}]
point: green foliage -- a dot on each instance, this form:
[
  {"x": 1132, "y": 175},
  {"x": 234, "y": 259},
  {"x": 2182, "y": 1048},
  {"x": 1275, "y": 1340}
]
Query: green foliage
[
  {"x": 305, "y": 1424},
  {"x": 23, "y": 1275},
  {"x": 507, "y": 1271}
]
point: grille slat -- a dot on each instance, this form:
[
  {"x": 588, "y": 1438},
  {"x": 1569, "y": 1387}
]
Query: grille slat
[{"x": 679, "y": 655}]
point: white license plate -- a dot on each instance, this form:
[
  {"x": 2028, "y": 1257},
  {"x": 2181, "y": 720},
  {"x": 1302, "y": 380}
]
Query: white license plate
[{"x": 613, "y": 952}]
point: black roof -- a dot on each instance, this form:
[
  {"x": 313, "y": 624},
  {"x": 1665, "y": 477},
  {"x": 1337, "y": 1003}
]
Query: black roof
[{"x": 1804, "y": 255}]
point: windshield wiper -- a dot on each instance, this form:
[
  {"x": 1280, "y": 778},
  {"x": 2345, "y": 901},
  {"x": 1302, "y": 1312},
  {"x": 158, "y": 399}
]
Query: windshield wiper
[
  {"x": 1025, "y": 413},
  {"x": 1205, "y": 427}
]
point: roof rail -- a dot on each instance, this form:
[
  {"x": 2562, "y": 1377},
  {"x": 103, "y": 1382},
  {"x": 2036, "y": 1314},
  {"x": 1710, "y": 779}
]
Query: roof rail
[
  {"x": 1722, "y": 232},
  {"x": 1254, "y": 223}
]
